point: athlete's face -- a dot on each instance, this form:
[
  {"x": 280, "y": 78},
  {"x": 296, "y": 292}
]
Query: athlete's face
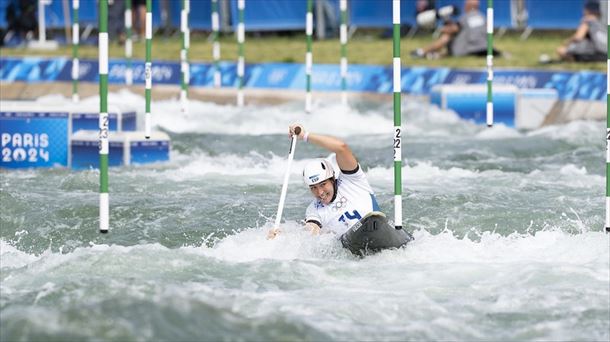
[{"x": 323, "y": 191}]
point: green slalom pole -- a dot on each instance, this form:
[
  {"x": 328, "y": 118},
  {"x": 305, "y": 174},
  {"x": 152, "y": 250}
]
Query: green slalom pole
[
  {"x": 241, "y": 35},
  {"x": 148, "y": 69},
  {"x": 103, "y": 119},
  {"x": 128, "y": 43},
  {"x": 397, "y": 119},
  {"x": 308, "y": 55},
  {"x": 75, "y": 42},
  {"x": 343, "y": 38},
  {"x": 184, "y": 62},
  {"x": 216, "y": 44},
  {"x": 490, "y": 58},
  {"x": 608, "y": 132}
]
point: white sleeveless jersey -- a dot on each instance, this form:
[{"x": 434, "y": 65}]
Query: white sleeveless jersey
[{"x": 355, "y": 199}]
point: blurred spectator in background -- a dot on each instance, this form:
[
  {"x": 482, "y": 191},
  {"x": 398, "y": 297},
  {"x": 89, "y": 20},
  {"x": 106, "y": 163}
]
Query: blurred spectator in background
[
  {"x": 21, "y": 18},
  {"x": 590, "y": 41},
  {"x": 423, "y": 5},
  {"x": 466, "y": 36},
  {"x": 139, "y": 17},
  {"x": 116, "y": 24}
]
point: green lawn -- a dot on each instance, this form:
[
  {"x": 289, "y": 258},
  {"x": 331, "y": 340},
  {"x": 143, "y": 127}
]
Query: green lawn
[{"x": 363, "y": 48}]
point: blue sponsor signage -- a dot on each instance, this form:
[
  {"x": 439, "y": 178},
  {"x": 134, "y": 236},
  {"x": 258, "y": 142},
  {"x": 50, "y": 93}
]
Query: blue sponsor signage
[
  {"x": 86, "y": 155},
  {"x": 90, "y": 121},
  {"x": 582, "y": 85},
  {"x": 33, "y": 139},
  {"x": 143, "y": 151}
]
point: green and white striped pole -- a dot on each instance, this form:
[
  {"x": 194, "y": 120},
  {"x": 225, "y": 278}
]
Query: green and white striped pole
[
  {"x": 184, "y": 62},
  {"x": 103, "y": 119},
  {"x": 343, "y": 38},
  {"x": 128, "y": 43},
  {"x": 148, "y": 69},
  {"x": 608, "y": 131},
  {"x": 241, "y": 35},
  {"x": 75, "y": 42},
  {"x": 308, "y": 55},
  {"x": 397, "y": 123},
  {"x": 490, "y": 58},
  {"x": 216, "y": 44}
]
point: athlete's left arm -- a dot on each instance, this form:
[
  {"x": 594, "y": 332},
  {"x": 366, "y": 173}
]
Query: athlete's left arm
[{"x": 345, "y": 157}]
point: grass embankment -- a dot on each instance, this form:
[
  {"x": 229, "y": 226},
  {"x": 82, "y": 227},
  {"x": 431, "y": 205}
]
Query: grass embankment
[{"x": 363, "y": 48}]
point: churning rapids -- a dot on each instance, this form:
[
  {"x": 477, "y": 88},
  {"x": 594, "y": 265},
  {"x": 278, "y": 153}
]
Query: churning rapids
[{"x": 508, "y": 227}]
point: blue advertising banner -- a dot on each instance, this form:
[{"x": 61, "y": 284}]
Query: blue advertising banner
[
  {"x": 582, "y": 85},
  {"x": 86, "y": 154},
  {"x": 90, "y": 121},
  {"x": 143, "y": 152},
  {"x": 33, "y": 139}
]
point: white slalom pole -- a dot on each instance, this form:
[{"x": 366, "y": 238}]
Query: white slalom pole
[
  {"x": 216, "y": 44},
  {"x": 148, "y": 70},
  {"x": 490, "y": 58},
  {"x": 75, "y": 42},
  {"x": 343, "y": 39},
  {"x": 280, "y": 206},
  {"x": 103, "y": 119},
  {"x": 397, "y": 116},
  {"x": 128, "y": 43},
  {"x": 608, "y": 133},
  {"x": 241, "y": 35},
  {"x": 184, "y": 62},
  {"x": 308, "y": 55}
]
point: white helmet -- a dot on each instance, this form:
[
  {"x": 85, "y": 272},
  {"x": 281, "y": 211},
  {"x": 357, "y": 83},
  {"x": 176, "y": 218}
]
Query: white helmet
[{"x": 317, "y": 171}]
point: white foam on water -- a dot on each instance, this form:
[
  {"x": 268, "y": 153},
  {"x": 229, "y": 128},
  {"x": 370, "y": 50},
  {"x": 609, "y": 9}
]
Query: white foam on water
[
  {"x": 207, "y": 117},
  {"x": 497, "y": 131},
  {"x": 255, "y": 166},
  {"x": 421, "y": 171},
  {"x": 569, "y": 175},
  {"x": 577, "y": 132},
  {"x": 292, "y": 243},
  {"x": 550, "y": 246},
  {"x": 251, "y": 244},
  {"x": 441, "y": 286},
  {"x": 333, "y": 118},
  {"x": 11, "y": 257},
  {"x": 270, "y": 168},
  {"x": 573, "y": 170},
  {"x": 419, "y": 119}
]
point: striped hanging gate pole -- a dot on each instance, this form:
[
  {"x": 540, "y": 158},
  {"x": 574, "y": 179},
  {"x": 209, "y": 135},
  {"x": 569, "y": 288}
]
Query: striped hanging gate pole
[
  {"x": 184, "y": 62},
  {"x": 608, "y": 132},
  {"x": 75, "y": 42},
  {"x": 128, "y": 43},
  {"x": 490, "y": 58},
  {"x": 103, "y": 118},
  {"x": 216, "y": 44},
  {"x": 308, "y": 55},
  {"x": 148, "y": 69},
  {"x": 397, "y": 118},
  {"x": 343, "y": 38},
  {"x": 241, "y": 35}
]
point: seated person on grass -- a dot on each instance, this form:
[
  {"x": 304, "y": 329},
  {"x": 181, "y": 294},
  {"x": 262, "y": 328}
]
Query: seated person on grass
[
  {"x": 467, "y": 36},
  {"x": 589, "y": 42}
]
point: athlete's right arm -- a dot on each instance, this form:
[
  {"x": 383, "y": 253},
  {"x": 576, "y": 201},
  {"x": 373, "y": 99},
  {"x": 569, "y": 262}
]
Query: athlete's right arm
[
  {"x": 313, "y": 228},
  {"x": 345, "y": 157},
  {"x": 313, "y": 221}
]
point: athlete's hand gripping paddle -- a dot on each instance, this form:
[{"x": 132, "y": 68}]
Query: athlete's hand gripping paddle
[{"x": 280, "y": 207}]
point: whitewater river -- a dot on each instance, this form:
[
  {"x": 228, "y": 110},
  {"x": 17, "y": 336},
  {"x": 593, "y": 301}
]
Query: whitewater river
[{"x": 507, "y": 224}]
